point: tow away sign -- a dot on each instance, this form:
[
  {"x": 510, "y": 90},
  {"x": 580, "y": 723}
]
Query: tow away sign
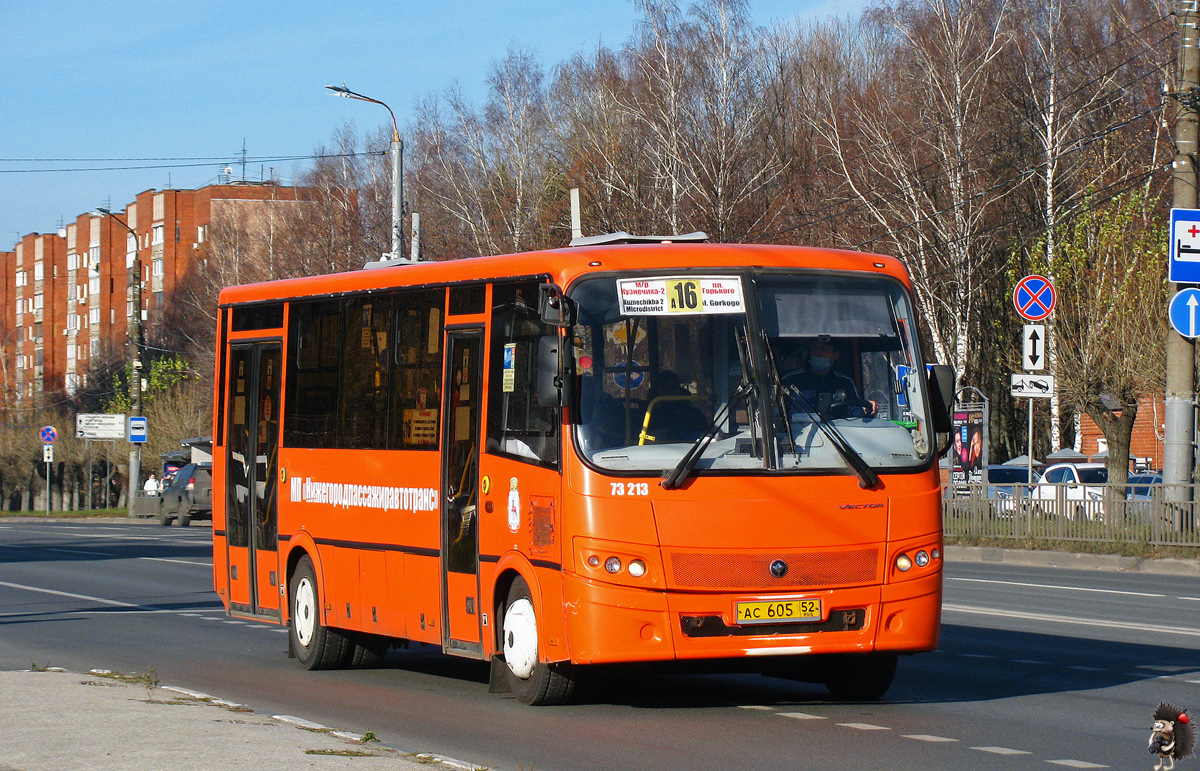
[{"x": 1029, "y": 386}]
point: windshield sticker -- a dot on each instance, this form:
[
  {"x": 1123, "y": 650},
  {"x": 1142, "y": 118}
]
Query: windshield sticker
[{"x": 680, "y": 295}]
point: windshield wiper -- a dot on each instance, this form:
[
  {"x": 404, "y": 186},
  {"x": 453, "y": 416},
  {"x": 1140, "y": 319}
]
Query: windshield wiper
[
  {"x": 867, "y": 478},
  {"x": 679, "y": 474}
]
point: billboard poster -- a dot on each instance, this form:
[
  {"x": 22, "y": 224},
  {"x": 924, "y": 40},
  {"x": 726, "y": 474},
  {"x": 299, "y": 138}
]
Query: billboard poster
[{"x": 967, "y": 454}]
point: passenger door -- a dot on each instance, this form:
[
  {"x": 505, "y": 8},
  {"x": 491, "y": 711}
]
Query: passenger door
[
  {"x": 251, "y": 483},
  {"x": 462, "y": 399}
]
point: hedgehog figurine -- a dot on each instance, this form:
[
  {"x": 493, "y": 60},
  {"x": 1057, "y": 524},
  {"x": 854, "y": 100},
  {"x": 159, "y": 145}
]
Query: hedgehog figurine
[{"x": 1173, "y": 735}]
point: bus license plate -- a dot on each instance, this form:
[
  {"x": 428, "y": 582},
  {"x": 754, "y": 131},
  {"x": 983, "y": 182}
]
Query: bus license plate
[{"x": 778, "y": 610}]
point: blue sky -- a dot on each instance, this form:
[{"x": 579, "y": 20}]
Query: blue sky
[{"x": 133, "y": 79}]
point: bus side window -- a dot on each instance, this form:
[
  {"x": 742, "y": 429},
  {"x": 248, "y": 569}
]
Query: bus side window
[
  {"x": 416, "y": 389},
  {"x": 365, "y": 372},
  {"x": 311, "y": 403},
  {"x": 517, "y": 427}
]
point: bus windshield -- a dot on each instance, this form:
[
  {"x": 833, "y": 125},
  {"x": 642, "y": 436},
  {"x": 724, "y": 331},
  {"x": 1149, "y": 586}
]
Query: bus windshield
[{"x": 784, "y": 372}]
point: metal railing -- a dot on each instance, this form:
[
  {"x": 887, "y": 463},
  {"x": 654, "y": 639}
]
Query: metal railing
[{"x": 1155, "y": 514}]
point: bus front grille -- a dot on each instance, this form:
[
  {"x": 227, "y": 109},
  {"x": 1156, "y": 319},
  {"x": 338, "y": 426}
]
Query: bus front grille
[
  {"x": 847, "y": 620},
  {"x": 734, "y": 571}
]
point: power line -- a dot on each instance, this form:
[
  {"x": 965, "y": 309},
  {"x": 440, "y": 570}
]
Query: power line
[{"x": 274, "y": 159}]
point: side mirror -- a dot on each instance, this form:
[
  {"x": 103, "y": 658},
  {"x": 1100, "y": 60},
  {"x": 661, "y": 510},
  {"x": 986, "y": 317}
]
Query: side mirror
[
  {"x": 549, "y": 372},
  {"x": 553, "y": 308},
  {"x": 941, "y": 397}
]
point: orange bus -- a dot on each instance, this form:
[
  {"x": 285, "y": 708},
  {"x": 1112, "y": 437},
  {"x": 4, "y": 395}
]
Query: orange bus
[{"x": 708, "y": 454}]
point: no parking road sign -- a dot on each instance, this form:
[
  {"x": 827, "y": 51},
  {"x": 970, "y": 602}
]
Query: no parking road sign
[
  {"x": 48, "y": 434},
  {"x": 1034, "y": 297}
]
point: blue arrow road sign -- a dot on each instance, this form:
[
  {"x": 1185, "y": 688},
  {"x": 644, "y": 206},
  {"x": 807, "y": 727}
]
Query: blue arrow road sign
[
  {"x": 137, "y": 430},
  {"x": 1184, "y": 250},
  {"x": 1184, "y": 312}
]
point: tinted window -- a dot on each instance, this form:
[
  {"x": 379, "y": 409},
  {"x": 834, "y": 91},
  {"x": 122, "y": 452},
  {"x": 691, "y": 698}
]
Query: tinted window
[
  {"x": 365, "y": 372},
  {"x": 416, "y": 389},
  {"x": 314, "y": 347},
  {"x": 1008, "y": 475},
  {"x": 1093, "y": 476},
  {"x": 1054, "y": 476},
  {"x": 257, "y": 317},
  {"x": 467, "y": 299}
]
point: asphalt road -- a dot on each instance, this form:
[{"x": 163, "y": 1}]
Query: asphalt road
[{"x": 1038, "y": 668}]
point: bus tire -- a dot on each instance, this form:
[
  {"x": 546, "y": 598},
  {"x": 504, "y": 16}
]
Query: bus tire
[
  {"x": 532, "y": 680},
  {"x": 316, "y": 646},
  {"x": 860, "y": 677}
]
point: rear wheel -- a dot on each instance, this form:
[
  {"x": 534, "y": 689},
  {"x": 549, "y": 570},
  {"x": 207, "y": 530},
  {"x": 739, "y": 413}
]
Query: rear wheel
[
  {"x": 368, "y": 650},
  {"x": 861, "y": 677},
  {"x": 532, "y": 680},
  {"x": 185, "y": 518},
  {"x": 315, "y": 645},
  {"x": 164, "y": 516}
]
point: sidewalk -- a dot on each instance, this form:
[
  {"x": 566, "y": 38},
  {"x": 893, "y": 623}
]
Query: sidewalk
[
  {"x": 54, "y": 720},
  {"x": 1078, "y": 561}
]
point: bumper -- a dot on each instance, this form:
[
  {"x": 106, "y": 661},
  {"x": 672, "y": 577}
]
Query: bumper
[{"x": 610, "y": 624}]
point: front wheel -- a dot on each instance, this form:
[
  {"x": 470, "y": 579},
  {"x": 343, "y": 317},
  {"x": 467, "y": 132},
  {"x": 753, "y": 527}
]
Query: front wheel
[
  {"x": 861, "y": 677},
  {"x": 315, "y": 645},
  {"x": 532, "y": 681}
]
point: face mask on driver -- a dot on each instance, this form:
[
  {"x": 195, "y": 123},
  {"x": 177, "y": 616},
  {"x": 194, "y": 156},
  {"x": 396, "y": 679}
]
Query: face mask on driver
[{"x": 819, "y": 363}]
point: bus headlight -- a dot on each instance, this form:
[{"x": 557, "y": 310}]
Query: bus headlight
[
  {"x": 613, "y": 564},
  {"x": 637, "y": 568},
  {"x": 903, "y": 563},
  {"x": 922, "y": 559}
]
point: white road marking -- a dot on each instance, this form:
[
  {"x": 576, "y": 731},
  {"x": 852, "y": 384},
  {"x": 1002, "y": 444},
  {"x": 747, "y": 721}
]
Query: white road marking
[
  {"x": 89, "y": 598},
  {"x": 972, "y": 610},
  {"x": 864, "y": 726},
  {"x": 801, "y": 716},
  {"x": 1054, "y": 586},
  {"x": 178, "y": 562},
  {"x": 927, "y": 738},
  {"x": 750, "y": 706},
  {"x": 1076, "y": 764},
  {"x": 1001, "y": 750}
]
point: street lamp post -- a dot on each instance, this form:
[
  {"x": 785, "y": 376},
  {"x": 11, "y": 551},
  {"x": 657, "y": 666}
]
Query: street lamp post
[
  {"x": 397, "y": 156},
  {"x": 135, "y": 359}
]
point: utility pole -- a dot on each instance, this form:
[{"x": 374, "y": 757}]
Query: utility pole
[
  {"x": 135, "y": 360},
  {"x": 1179, "y": 430}
]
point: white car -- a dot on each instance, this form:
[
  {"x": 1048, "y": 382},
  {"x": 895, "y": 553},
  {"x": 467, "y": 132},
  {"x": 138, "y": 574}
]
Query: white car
[{"x": 1073, "y": 490}]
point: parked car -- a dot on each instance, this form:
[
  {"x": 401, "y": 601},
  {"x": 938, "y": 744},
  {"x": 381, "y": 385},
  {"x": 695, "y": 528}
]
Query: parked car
[
  {"x": 1076, "y": 487},
  {"x": 188, "y": 496},
  {"x": 1139, "y": 486},
  {"x": 1008, "y": 486}
]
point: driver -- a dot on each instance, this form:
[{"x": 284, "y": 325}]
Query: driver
[{"x": 822, "y": 387}]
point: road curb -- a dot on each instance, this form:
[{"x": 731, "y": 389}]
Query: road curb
[{"x": 1060, "y": 559}]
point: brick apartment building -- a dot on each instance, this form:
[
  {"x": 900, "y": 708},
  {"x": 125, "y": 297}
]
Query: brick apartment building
[{"x": 64, "y": 296}]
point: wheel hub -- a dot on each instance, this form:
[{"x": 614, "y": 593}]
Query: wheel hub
[
  {"x": 520, "y": 638},
  {"x": 305, "y": 615}
]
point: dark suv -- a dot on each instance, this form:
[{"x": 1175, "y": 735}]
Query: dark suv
[{"x": 189, "y": 496}]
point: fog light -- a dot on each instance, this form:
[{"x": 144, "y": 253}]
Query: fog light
[
  {"x": 903, "y": 563},
  {"x": 613, "y": 564},
  {"x": 594, "y": 561},
  {"x": 922, "y": 559},
  {"x": 637, "y": 568},
  {"x": 937, "y": 554}
]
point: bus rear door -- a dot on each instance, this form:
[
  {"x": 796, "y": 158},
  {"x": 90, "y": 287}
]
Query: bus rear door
[{"x": 251, "y": 483}]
